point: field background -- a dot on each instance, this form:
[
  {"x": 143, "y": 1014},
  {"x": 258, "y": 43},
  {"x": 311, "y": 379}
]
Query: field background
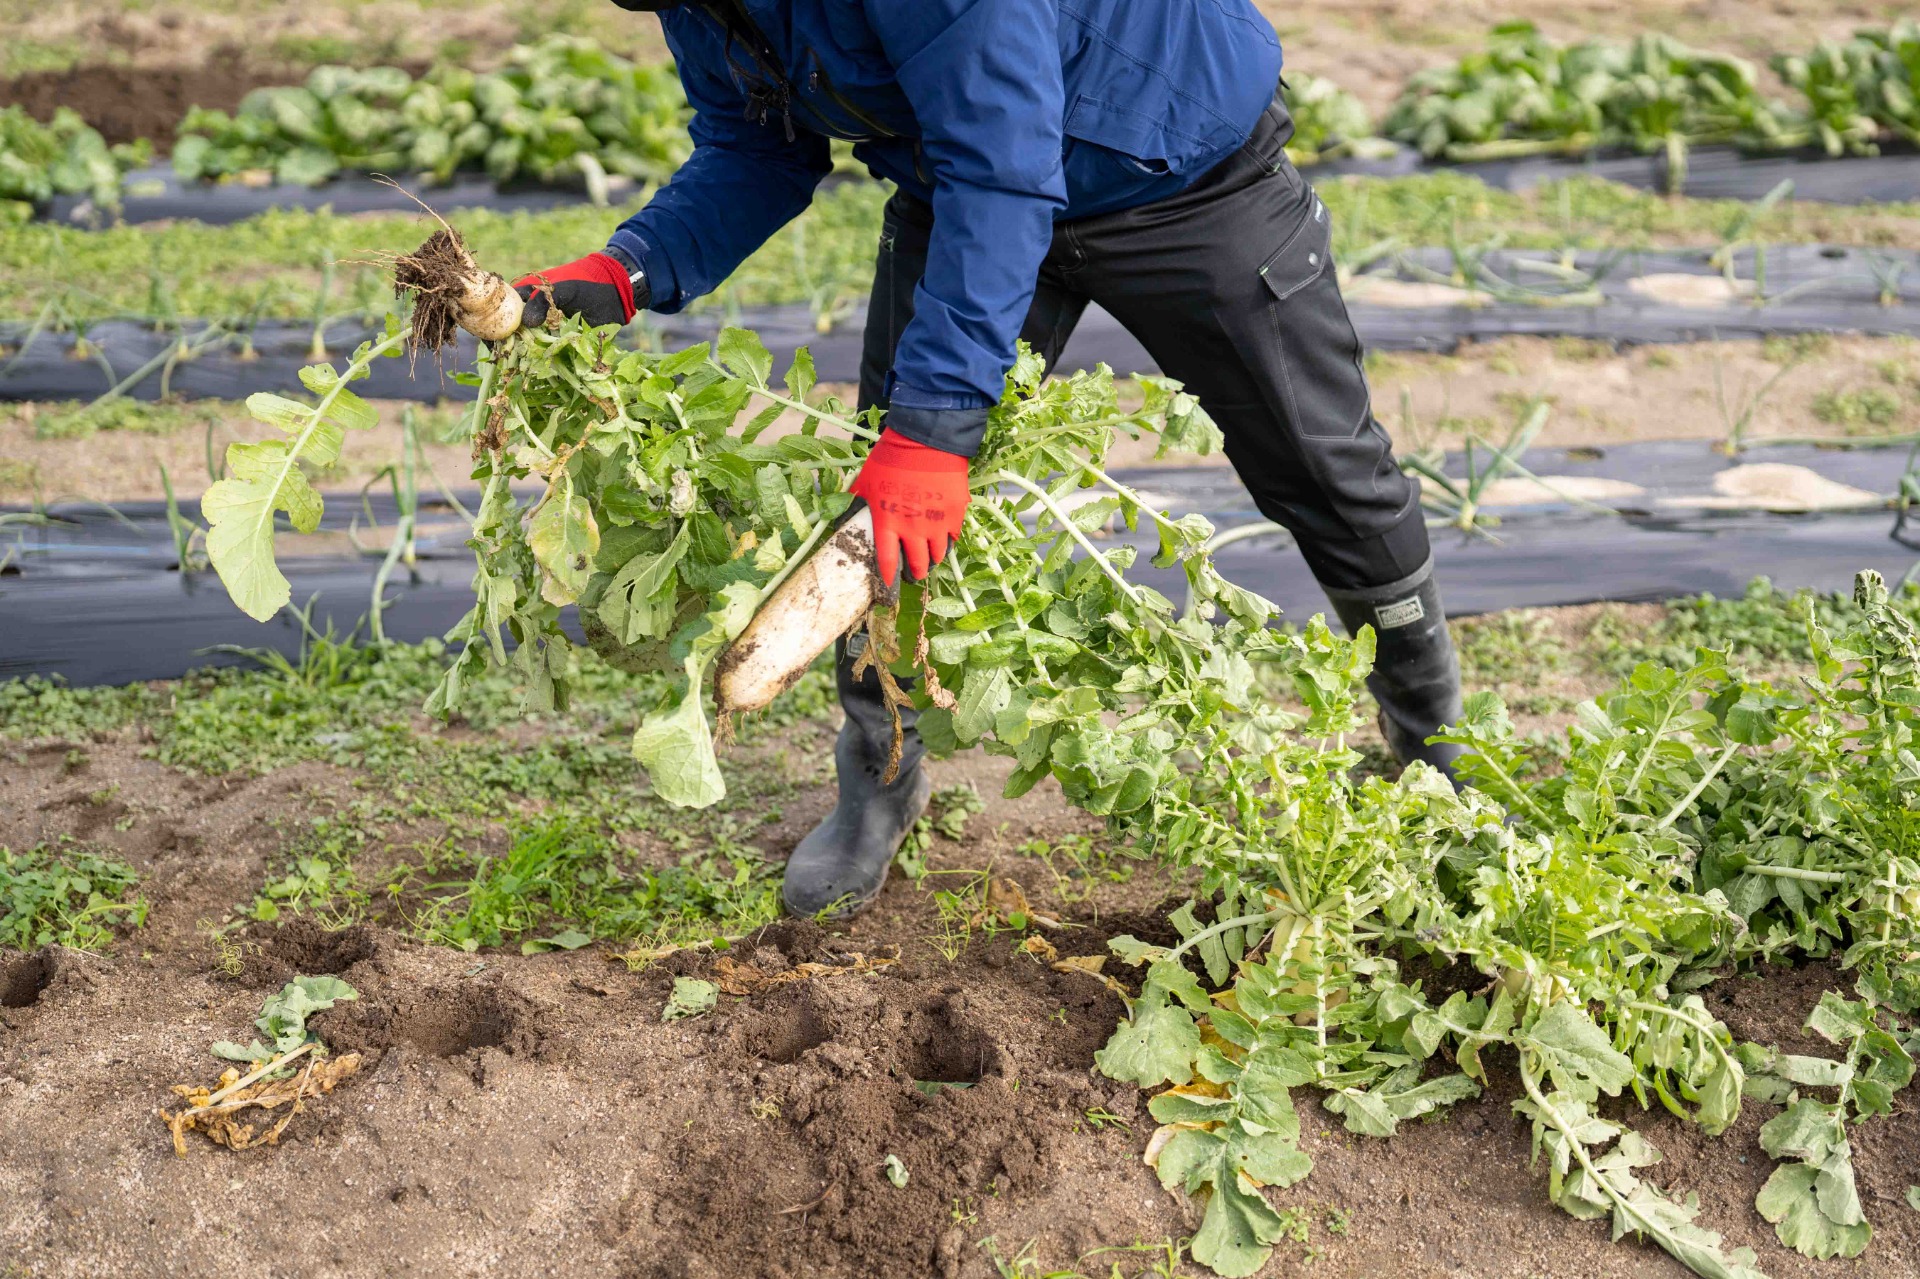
[
  {"x": 532, "y": 1115},
  {"x": 1368, "y": 46}
]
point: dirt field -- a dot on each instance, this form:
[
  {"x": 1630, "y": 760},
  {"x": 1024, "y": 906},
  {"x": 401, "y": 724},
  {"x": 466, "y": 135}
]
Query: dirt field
[
  {"x": 532, "y": 1115},
  {"x": 519, "y": 1115}
]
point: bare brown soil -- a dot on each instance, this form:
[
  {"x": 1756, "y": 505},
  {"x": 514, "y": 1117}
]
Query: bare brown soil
[
  {"x": 1600, "y": 395},
  {"x": 126, "y": 103},
  {"x": 523, "y": 1116}
]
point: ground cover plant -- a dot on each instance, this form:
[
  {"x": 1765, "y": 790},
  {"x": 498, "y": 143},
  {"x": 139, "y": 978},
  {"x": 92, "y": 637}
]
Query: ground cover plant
[
  {"x": 571, "y": 801},
  {"x": 65, "y": 896}
]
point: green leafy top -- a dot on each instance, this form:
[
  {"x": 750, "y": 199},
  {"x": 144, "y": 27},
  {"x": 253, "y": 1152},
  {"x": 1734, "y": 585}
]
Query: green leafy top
[{"x": 283, "y": 1018}]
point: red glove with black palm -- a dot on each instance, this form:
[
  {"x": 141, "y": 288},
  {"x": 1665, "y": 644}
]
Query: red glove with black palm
[
  {"x": 919, "y": 496},
  {"x": 600, "y": 288}
]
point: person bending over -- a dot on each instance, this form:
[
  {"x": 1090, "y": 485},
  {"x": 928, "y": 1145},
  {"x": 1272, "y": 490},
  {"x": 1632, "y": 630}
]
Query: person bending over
[{"x": 1045, "y": 154}]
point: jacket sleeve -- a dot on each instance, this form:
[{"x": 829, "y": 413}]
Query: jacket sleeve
[
  {"x": 985, "y": 83},
  {"x": 744, "y": 181}
]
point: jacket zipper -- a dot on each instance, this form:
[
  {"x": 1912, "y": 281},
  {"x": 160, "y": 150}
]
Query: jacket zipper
[
  {"x": 762, "y": 99},
  {"x": 818, "y": 83}
]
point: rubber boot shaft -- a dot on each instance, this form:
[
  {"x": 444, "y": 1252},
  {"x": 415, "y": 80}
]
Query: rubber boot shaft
[
  {"x": 1416, "y": 674},
  {"x": 841, "y": 865}
]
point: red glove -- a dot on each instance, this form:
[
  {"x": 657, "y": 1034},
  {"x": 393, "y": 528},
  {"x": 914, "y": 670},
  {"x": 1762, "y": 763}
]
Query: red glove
[
  {"x": 596, "y": 288},
  {"x": 919, "y": 496}
]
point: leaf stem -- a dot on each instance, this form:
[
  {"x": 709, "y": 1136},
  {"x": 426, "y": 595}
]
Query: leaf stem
[
  {"x": 1795, "y": 872},
  {"x": 318, "y": 414},
  {"x": 1238, "y": 921},
  {"x": 1073, "y": 530},
  {"x": 1686, "y": 801},
  {"x": 801, "y": 406},
  {"x": 264, "y": 1070}
]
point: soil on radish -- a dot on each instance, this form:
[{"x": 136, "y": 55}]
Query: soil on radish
[
  {"x": 436, "y": 274},
  {"x": 532, "y": 1115}
]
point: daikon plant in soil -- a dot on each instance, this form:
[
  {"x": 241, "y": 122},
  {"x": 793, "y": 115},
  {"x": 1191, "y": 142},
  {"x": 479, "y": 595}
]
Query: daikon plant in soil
[{"x": 1699, "y": 820}]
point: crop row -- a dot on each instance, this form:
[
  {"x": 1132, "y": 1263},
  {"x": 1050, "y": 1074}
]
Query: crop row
[
  {"x": 314, "y": 266},
  {"x": 565, "y": 111}
]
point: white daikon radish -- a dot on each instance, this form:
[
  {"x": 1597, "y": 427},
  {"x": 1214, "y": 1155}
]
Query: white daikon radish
[
  {"x": 450, "y": 289},
  {"x": 488, "y": 307},
  {"x": 823, "y": 600}
]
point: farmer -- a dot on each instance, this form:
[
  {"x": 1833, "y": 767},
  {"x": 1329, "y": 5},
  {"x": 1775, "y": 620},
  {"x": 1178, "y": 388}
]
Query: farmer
[{"x": 1046, "y": 154}]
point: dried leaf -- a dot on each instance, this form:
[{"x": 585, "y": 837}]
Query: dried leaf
[
  {"x": 1042, "y": 948},
  {"x": 736, "y": 978},
  {"x": 209, "y": 1111}
]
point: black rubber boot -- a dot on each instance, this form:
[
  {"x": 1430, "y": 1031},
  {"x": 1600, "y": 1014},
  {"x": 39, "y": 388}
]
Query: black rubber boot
[
  {"x": 840, "y": 866},
  {"x": 1416, "y": 675}
]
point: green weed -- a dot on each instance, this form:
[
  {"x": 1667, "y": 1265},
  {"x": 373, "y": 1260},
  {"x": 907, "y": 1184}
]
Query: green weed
[
  {"x": 319, "y": 879},
  {"x": 1515, "y": 652},
  {"x": 1079, "y": 864},
  {"x": 1792, "y": 348},
  {"x": 37, "y": 707},
  {"x": 120, "y": 414},
  {"x": 18, "y": 477},
  {"x": 1131, "y": 1261},
  {"x": 946, "y": 816},
  {"x": 62, "y": 894},
  {"x": 1859, "y": 410},
  {"x": 564, "y": 876}
]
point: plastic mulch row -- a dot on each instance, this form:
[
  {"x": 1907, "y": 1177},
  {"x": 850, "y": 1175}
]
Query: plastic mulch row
[
  {"x": 1720, "y": 173},
  {"x": 96, "y": 601},
  {"x": 1808, "y": 289}
]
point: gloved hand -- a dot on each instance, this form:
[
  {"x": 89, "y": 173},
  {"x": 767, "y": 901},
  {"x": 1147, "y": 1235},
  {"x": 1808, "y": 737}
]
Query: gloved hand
[
  {"x": 599, "y": 288},
  {"x": 919, "y": 496}
]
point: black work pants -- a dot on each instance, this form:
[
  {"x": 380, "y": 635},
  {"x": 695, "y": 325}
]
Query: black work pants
[{"x": 1230, "y": 286}]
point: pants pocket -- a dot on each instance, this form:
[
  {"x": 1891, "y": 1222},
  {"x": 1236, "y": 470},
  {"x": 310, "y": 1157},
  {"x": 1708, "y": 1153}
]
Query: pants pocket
[{"x": 1323, "y": 380}]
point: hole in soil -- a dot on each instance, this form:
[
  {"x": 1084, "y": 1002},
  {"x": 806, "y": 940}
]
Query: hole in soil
[
  {"x": 448, "y": 1023},
  {"x": 311, "y": 950},
  {"x": 23, "y": 979},
  {"x": 942, "y": 1050},
  {"x": 782, "y": 1035},
  {"x": 302, "y": 948}
]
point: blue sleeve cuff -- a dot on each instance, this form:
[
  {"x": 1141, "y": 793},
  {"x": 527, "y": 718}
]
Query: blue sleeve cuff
[
  {"x": 956, "y": 431},
  {"x": 951, "y": 421},
  {"x": 663, "y": 287},
  {"x": 906, "y": 396}
]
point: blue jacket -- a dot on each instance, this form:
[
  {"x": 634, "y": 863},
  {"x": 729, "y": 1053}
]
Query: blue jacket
[{"x": 1004, "y": 114}]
